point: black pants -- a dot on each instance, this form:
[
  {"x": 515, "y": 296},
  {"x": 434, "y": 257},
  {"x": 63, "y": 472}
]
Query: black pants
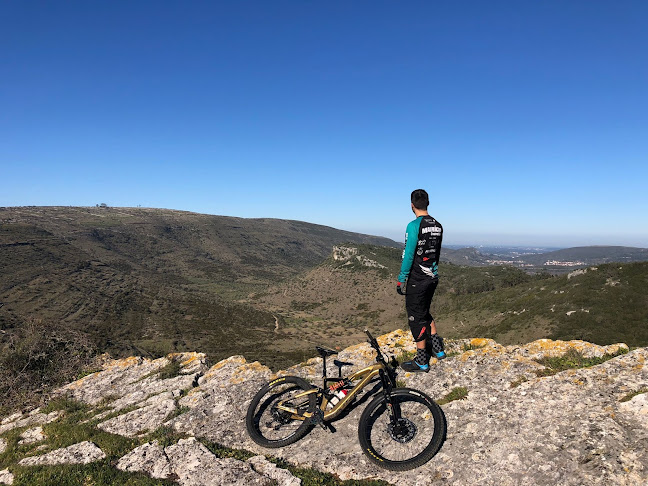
[{"x": 418, "y": 299}]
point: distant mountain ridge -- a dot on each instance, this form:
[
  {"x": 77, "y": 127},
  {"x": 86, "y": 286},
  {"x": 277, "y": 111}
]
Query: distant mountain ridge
[
  {"x": 564, "y": 258},
  {"x": 590, "y": 255}
]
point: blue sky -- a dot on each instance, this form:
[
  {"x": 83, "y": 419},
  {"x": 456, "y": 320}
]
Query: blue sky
[{"x": 526, "y": 121}]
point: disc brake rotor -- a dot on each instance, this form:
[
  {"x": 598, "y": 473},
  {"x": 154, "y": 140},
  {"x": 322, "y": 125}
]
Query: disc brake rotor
[{"x": 402, "y": 431}]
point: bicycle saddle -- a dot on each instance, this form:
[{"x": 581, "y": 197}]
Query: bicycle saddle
[
  {"x": 340, "y": 364},
  {"x": 324, "y": 352}
]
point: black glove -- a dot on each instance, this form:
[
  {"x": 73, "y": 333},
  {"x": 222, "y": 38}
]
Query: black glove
[{"x": 399, "y": 288}]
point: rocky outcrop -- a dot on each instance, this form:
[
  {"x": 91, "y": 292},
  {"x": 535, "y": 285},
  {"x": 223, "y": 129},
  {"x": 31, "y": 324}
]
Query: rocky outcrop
[
  {"x": 191, "y": 463},
  {"x": 31, "y": 436},
  {"x": 350, "y": 254},
  {"x": 35, "y": 417},
  {"x": 580, "y": 426},
  {"x": 6, "y": 477},
  {"x": 150, "y": 414},
  {"x": 127, "y": 382},
  {"x": 149, "y": 458},
  {"x": 81, "y": 453}
]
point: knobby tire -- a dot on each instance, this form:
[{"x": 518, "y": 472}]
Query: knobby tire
[
  {"x": 271, "y": 427},
  {"x": 409, "y": 444}
]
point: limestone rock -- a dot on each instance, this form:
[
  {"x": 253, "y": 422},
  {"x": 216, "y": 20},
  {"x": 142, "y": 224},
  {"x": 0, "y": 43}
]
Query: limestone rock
[
  {"x": 150, "y": 416},
  {"x": 191, "y": 463},
  {"x": 514, "y": 427},
  {"x": 11, "y": 418},
  {"x": 3, "y": 445},
  {"x": 638, "y": 408},
  {"x": 563, "y": 429},
  {"x": 233, "y": 371},
  {"x": 31, "y": 436},
  {"x": 81, "y": 453},
  {"x": 6, "y": 477},
  {"x": 149, "y": 458},
  {"x": 131, "y": 380},
  {"x": 194, "y": 465},
  {"x": 270, "y": 470},
  {"x": 29, "y": 420}
]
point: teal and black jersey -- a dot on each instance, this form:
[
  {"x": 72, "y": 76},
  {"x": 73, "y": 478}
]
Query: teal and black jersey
[{"x": 422, "y": 249}]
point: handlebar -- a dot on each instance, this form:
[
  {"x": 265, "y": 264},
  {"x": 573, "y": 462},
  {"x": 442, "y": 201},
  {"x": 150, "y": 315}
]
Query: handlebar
[
  {"x": 372, "y": 341},
  {"x": 371, "y": 338},
  {"x": 391, "y": 366}
]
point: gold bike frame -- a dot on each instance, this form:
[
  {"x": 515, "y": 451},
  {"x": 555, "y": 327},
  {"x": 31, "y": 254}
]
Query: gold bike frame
[{"x": 365, "y": 375}]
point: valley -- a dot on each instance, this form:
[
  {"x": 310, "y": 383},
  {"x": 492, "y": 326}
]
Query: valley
[{"x": 78, "y": 282}]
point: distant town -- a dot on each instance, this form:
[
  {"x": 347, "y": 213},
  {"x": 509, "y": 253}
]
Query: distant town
[{"x": 555, "y": 263}]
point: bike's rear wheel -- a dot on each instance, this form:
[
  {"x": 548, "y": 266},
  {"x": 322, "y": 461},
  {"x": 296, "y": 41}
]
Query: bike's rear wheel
[
  {"x": 412, "y": 440},
  {"x": 270, "y": 426}
]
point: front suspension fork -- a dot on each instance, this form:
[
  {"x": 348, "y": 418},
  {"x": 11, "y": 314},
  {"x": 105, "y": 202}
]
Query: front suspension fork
[{"x": 394, "y": 412}]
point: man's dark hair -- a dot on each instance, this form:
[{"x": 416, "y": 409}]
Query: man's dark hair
[{"x": 420, "y": 199}]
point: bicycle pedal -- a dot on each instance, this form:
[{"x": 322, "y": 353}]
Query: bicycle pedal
[{"x": 317, "y": 418}]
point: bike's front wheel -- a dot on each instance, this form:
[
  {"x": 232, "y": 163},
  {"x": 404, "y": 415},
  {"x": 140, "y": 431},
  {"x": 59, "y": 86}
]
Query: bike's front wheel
[
  {"x": 276, "y": 416},
  {"x": 409, "y": 438}
]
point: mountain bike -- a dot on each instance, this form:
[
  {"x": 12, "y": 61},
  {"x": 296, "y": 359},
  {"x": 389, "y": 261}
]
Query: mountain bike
[{"x": 400, "y": 429}]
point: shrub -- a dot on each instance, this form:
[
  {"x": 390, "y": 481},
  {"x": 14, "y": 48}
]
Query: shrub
[{"x": 39, "y": 358}]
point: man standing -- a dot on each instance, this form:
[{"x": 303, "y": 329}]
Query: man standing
[{"x": 421, "y": 265}]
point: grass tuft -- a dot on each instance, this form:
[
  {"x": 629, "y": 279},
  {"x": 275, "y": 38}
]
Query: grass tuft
[
  {"x": 65, "y": 404},
  {"x": 170, "y": 371},
  {"x": 223, "y": 452},
  {"x": 100, "y": 473},
  {"x": 472, "y": 347},
  {"x": 457, "y": 393},
  {"x": 406, "y": 356},
  {"x": 519, "y": 381},
  {"x": 633, "y": 394},
  {"x": 572, "y": 359},
  {"x": 165, "y": 436}
]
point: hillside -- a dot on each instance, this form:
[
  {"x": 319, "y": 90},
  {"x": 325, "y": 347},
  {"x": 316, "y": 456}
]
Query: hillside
[
  {"x": 198, "y": 248},
  {"x": 336, "y": 300},
  {"x": 149, "y": 281},
  {"x": 599, "y": 304},
  {"x": 543, "y": 413}
]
